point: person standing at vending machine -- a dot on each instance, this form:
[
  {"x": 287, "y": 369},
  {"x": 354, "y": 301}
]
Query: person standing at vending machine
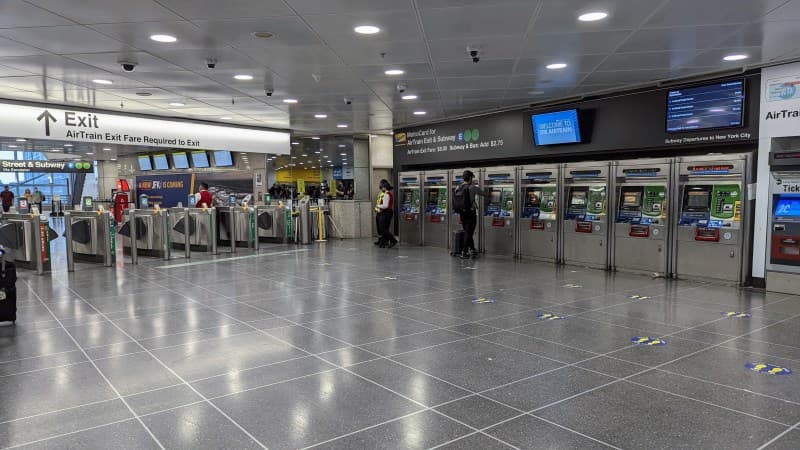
[
  {"x": 465, "y": 204},
  {"x": 385, "y": 209}
]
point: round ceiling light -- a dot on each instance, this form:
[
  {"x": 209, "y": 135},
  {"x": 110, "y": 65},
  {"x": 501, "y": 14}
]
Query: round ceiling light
[
  {"x": 735, "y": 57},
  {"x": 225, "y": 118},
  {"x": 290, "y": 100},
  {"x": 243, "y": 77},
  {"x": 12, "y": 146},
  {"x": 593, "y": 16},
  {"x": 177, "y": 104},
  {"x": 342, "y": 125},
  {"x": 67, "y": 145},
  {"x": 165, "y": 38},
  {"x": 102, "y": 81},
  {"x": 316, "y": 138},
  {"x": 367, "y": 29},
  {"x": 409, "y": 97},
  {"x": 321, "y": 116},
  {"x": 420, "y": 113},
  {"x": 394, "y": 72},
  {"x": 22, "y": 140},
  {"x": 557, "y": 66},
  {"x": 106, "y": 149}
]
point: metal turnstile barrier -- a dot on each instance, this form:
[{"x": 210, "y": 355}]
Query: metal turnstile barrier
[
  {"x": 145, "y": 231},
  {"x": 91, "y": 237},
  {"x": 270, "y": 224},
  {"x": 28, "y": 237},
  {"x": 237, "y": 226}
]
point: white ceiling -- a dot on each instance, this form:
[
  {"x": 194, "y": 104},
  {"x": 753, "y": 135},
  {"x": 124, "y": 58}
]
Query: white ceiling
[{"x": 51, "y": 50}]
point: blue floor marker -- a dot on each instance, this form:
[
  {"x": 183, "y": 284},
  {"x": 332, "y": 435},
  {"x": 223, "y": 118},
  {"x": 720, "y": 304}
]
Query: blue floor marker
[
  {"x": 649, "y": 341},
  {"x": 768, "y": 369}
]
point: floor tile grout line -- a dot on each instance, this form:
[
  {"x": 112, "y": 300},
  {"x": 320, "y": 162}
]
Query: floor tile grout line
[
  {"x": 779, "y": 436},
  {"x": 175, "y": 374},
  {"x": 358, "y": 375},
  {"x": 105, "y": 378},
  {"x": 70, "y": 433}
]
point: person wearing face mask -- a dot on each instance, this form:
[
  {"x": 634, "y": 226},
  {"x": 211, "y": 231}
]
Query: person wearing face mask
[{"x": 385, "y": 210}]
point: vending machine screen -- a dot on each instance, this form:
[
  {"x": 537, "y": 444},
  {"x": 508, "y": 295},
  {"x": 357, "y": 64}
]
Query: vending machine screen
[
  {"x": 578, "y": 199},
  {"x": 787, "y": 207},
  {"x": 631, "y": 199},
  {"x": 697, "y": 200},
  {"x": 533, "y": 198}
]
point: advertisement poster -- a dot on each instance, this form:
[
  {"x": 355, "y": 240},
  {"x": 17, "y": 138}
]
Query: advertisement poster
[
  {"x": 222, "y": 185},
  {"x": 165, "y": 190}
]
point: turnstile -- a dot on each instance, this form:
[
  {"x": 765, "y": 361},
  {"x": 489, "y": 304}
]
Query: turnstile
[
  {"x": 145, "y": 232},
  {"x": 783, "y": 263},
  {"x": 408, "y": 218},
  {"x": 238, "y": 222},
  {"x": 91, "y": 237},
  {"x": 270, "y": 222},
  {"x": 436, "y": 197},
  {"x": 456, "y": 178},
  {"x": 499, "y": 226},
  {"x": 201, "y": 228},
  {"x": 640, "y": 240},
  {"x": 27, "y": 237},
  {"x": 538, "y": 217},
  {"x": 712, "y": 225},
  {"x": 584, "y": 234}
]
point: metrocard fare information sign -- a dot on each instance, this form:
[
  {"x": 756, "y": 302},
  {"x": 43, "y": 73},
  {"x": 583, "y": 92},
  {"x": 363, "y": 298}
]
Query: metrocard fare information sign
[{"x": 98, "y": 127}]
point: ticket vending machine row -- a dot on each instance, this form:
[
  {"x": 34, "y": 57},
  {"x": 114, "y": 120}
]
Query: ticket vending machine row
[
  {"x": 641, "y": 224},
  {"x": 783, "y": 262},
  {"x": 499, "y": 224},
  {"x": 585, "y": 231},
  {"x": 456, "y": 178},
  {"x": 711, "y": 237},
  {"x": 436, "y": 197},
  {"x": 538, "y": 212},
  {"x": 408, "y": 198}
]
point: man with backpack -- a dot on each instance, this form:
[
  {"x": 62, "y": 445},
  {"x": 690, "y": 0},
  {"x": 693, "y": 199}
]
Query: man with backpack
[{"x": 465, "y": 204}]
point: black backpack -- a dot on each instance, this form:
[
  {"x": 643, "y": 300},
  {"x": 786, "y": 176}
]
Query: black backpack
[{"x": 461, "y": 200}]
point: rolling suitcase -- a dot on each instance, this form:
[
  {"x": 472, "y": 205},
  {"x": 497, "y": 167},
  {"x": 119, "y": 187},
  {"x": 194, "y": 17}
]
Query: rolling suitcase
[
  {"x": 458, "y": 242},
  {"x": 8, "y": 289}
]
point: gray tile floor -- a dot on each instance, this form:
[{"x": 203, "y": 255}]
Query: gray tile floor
[{"x": 318, "y": 347}]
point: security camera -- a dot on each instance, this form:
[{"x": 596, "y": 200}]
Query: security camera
[
  {"x": 473, "y": 52},
  {"x": 128, "y": 66},
  {"x": 348, "y": 101},
  {"x": 269, "y": 91},
  {"x": 401, "y": 88},
  {"x": 211, "y": 63}
]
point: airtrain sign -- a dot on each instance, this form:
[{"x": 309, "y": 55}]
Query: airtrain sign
[{"x": 97, "y": 127}]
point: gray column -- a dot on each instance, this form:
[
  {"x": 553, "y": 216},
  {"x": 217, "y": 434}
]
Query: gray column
[{"x": 361, "y": 169}]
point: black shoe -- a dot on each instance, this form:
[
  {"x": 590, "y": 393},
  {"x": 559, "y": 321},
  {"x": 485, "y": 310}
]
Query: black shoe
[
  {"x": 392, "y": 244},
  {"x": 464, "y": 255},
  {"x": 378, "y": 242}
]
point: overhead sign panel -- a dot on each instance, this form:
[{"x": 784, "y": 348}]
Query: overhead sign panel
[
  {"x": 97, "y": 127},
  {"x": 8, "y": 165}
]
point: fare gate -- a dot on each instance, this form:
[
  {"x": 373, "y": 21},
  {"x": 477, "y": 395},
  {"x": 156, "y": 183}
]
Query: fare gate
[{"x": 91, "y": 237}]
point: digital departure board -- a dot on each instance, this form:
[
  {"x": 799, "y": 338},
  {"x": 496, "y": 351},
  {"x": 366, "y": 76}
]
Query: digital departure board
[
  {"x": 160, "y": 162},
  {"x": 712, "y": 106},
  {"x": 144, "y": 162},
  {"x": 180, "y": 160}
]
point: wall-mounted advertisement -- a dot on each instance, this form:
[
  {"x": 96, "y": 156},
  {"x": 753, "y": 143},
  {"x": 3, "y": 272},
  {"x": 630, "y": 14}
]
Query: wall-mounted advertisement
[
  {"x": 48, "y": 122},
  {"x": 165, "y": 190}
]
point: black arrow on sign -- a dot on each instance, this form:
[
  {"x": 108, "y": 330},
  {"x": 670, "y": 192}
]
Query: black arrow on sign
[{"x": 47, "y": 118}]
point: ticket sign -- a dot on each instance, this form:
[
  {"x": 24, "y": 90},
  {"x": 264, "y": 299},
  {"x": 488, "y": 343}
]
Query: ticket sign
[{"x": 51, "y": 166}]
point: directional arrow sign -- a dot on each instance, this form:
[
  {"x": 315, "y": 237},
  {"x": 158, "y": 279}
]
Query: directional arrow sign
[{"x": 47, "y": 118}]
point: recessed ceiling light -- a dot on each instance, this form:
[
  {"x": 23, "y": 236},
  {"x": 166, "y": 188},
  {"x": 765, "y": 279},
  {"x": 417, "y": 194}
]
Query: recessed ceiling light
[
  {"x": 316, "y": 138},
  {"x": 409, "y": 97},
  {"x": 113, "y": 159},
  {"x": 394, "y": 72},
  {"x": 367, "y": 29},
  {"x": 420, "y": 113},
  {"x": 12, "y": 146},
  {"x": 317, "y": 153},
  {"x": 106, "y": 149},
  {"x": 304, "y": 155},
  {"x": 325, "y": 156},
  {"x": 735, "y": 57},
  {"x": 295, "y": 143},
  {"x": 343, "y": 154},
  {"x": 225, "y": 118},
  {"x": 177, "y": 104},
  {"x": 556, "y": 66},
  {"x": 22, "y": 140},
  {"x": 166, "y": 38},
  {"x": 263, "y": 35},
  {"x": 593, "y": 16},
  {"x": 342, "y": 125},
  {"x": 290, "y": 100},
  {"x": 67, "y": 145},
  {"x": 321, "y": 116},
  {"x": 342, "y": 146},
  {"x": 101, "y": 81},
  {"x": 344, "y": 163},
  {"x": 243, "y": 77},
  {"x": 90, "y": 153},
  {"x": 301, "y": 163}
]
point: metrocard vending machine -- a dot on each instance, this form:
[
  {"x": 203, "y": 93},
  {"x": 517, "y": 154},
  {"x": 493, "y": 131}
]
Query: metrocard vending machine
[
  {"x": 408, "y": 217},
  {"x": 640, "y": 240},
  {"x": 585, "y": 227},
  {"x": 499, "y": 233},
  {"x": 712, "y": 233},
  {"x": 435, "y": 195},
  {"x": 538, "y": 212},
  {"x": 783, "y": 262}
]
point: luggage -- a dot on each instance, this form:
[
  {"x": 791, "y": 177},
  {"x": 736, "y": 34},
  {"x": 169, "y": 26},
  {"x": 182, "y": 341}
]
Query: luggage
[
  {"x": 458, "y": 242},
  {"x": 8, "y": 290}
]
